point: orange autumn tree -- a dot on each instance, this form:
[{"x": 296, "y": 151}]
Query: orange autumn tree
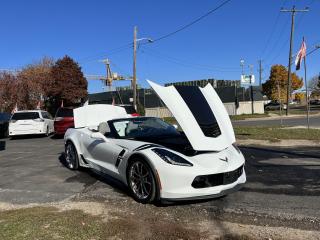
[
  {"x": 279, "y": 77},
  {"x": 32, "y": 82},
  {"x": 8, "y": 91}
]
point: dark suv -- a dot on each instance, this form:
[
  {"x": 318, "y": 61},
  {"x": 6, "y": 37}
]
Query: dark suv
[{"x": 4, "y": 123}]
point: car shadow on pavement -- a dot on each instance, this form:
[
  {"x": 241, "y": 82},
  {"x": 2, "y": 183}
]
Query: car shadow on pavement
[
  {"x": 55, "y": 136},
  {"x": 276, "y": 173},
  {"x": 22, "y": 137},
  {"x": 89, "y": 177},
  {"x": 2, "y": 145}
]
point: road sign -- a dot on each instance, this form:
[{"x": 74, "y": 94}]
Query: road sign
[{"x": 247, "y": 79}]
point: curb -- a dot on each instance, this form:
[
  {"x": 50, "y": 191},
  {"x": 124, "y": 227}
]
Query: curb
[
  {"x": 276, "y": 117},
  {"x": 281, "y": 143},
  {"x": 280, "y": 151}
]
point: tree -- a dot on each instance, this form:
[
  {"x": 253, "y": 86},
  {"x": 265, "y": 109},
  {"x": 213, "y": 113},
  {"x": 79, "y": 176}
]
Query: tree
[
  {"x": 32, "y": 82},
  {"x": 314, "y": 86},
  {"x": 67, "y": 83},
  {"x": 299, "y": 97},
  {"x": 8, "y": 91},
  {"x": 278, "y": 79}
]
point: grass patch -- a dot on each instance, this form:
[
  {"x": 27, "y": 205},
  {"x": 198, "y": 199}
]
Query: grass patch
[
  {"x": 42, "y": 223},
  {"x": 293, "y": 112},
  {"x": 170, "y": 120},
  {"x": 49, "y": 223},
  {"x": 248, "y": 116},
  {"x": 275, "y": 133}
]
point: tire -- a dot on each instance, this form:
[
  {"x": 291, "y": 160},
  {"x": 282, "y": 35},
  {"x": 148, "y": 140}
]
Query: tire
[
  {"x": 47, "y": 132},
  {"x": 71, "y": 156},
  {"x": 141, "y": 181}
]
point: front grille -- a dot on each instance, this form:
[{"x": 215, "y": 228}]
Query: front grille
[{"x": 212, "y": 180}]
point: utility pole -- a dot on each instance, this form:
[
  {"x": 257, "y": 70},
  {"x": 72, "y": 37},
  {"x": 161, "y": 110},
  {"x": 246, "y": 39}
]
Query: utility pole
[
  {"x": 134, "y": 79},
  {"x": 260, "y": 72},
  {"x": 293, "y": 13},
  {"x": 251, "y": 88}
]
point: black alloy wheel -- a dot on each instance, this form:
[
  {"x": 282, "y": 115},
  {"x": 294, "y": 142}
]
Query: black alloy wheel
[
  {"x": 141, "y": 181},
  {"x": 71, "y": 156}
]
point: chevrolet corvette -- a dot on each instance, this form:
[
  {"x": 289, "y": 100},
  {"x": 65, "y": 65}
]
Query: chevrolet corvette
[{"x": 156, "y": 160}]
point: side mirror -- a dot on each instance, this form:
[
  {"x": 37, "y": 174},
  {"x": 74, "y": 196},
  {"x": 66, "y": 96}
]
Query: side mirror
[{"x": 97, "y": 136}]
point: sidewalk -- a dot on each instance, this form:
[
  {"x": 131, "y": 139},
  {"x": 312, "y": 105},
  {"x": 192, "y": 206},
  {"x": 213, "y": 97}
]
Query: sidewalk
[
  {"x": 306, "y": 148},
  {"x": 281, "y": 143},
  {"x": 275, "y": 117}
]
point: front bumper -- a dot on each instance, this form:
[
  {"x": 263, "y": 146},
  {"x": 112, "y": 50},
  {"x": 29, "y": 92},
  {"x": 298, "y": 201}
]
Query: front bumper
[
  {"x": 211, "y": 196},
  {"x": 187, "y": 192}
]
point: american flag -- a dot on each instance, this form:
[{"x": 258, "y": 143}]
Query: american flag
[{"x": 301, "y": 54}]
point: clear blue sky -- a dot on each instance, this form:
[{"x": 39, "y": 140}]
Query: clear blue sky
[{"x": 212, "y": 48}]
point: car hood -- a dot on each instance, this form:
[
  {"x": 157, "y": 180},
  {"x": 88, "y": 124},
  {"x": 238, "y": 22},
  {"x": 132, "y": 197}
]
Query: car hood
[
  {"x": 93, "y": 115},
  {"x": 201, "y": 115}
]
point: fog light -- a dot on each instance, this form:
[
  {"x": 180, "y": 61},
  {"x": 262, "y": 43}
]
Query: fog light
[{"x": 199, "y": 182}]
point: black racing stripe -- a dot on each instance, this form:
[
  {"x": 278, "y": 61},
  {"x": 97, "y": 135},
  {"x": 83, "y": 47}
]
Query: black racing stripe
[
  {"x": 200, "y": 109},
  {"x": 145, "y": 146}
]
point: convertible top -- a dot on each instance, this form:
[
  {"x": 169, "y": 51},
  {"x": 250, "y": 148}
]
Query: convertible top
[{"x": 93, "y": 115}]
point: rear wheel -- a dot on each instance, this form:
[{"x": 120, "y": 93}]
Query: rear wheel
[
  {"x": 141, "y": 181},
  {"x": 71, "y": 156}
]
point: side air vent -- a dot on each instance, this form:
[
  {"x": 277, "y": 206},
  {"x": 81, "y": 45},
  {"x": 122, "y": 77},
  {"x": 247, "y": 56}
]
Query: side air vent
[{"x": 120, "y": 157}]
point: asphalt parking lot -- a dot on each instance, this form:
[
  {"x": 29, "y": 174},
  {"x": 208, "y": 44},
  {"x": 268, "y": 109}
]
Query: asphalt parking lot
[{"x": 283, "y": 186}]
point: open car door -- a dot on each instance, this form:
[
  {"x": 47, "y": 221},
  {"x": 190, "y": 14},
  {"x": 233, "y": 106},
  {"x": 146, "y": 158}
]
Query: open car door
[{"x": 201, "y": 115}]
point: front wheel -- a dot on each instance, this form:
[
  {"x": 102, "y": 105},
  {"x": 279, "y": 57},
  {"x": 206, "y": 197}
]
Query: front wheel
[
  {"x": 47, "y": 132},
  {"x": 141, "y": 181},
  {"x": 71, "y": 156}
]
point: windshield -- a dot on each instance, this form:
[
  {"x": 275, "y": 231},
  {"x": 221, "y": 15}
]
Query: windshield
[
  {"x": 25, "y": 115},
  {"x": 143, "y": 127},
  {"x": 64, "y": 112}
]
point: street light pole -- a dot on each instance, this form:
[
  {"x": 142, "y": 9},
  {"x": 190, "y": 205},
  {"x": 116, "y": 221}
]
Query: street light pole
[{"x": 134, "y": 78}]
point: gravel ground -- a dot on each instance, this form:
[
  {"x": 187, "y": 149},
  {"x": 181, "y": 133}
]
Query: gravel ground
[{"x": 279, "y": 201}]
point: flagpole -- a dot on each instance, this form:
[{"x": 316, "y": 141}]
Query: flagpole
[{"x": 307, "y": 94}]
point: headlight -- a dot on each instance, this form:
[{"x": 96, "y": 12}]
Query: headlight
[
  {"x": 171, "y": 158},
  {"x": 236, "y": 147}
]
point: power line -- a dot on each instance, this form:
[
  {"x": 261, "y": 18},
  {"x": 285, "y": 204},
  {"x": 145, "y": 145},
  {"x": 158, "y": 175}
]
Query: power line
[
  {"x": 191, "y": 23},
  {"x": 312, "y": 51},
  {"x": 299, "y": 21},
  {"x": 276, "y": 43},
  {"x": 107, "y": 53},
  {"x": 273, "y": 30},
  {"x": 188, "y": 64}
]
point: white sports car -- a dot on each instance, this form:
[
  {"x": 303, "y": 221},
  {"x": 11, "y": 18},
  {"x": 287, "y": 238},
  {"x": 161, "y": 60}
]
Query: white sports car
[{"x": 153, "y": 158}]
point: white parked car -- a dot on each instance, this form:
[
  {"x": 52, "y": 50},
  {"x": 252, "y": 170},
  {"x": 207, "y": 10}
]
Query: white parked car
[
  {"x": 31, "y": 122},
  {"x": 154, "y": 159}
]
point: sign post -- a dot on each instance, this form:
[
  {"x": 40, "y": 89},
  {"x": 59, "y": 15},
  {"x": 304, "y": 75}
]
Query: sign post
[{"x": 249, "y": 79}]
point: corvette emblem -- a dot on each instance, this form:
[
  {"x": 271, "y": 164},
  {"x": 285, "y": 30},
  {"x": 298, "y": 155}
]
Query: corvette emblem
[{"x": 224, "y": 159}]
